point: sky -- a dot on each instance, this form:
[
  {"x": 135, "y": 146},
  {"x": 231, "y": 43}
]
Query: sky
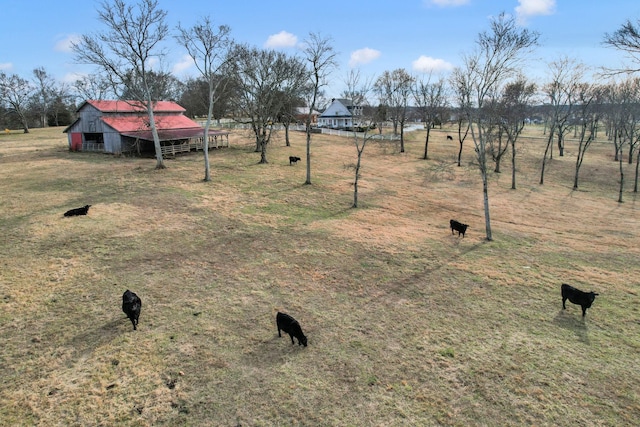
[{"x": 370, "y": 36}]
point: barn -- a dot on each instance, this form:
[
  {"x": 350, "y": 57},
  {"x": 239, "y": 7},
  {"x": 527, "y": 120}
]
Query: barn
[{"x": 123, "y": 126}]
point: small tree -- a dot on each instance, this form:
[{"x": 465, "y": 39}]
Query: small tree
[
  {"x": 133, "y": 36},
  {"x": 561, "y": 92},
  {"x": 208, "y": 47},
  {"x": 394, "y": 90},
  {"x": 587, "y": 114},
  {"x": 431, "y": 100},
  {"x": 321, "y": 62},
  {"x": 513, "y": 112},
  {"x": 357, "y": 92}
]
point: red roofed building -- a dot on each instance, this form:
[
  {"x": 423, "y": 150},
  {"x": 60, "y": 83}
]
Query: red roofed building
[{"x": 122, "y": 126}]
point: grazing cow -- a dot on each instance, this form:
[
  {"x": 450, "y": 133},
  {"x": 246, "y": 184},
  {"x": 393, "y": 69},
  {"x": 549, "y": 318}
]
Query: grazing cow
[
  {"x": 449, "y": 137},
  {"x": 458, "y": 226},
  {"x": 131, "y": 305},
  {"x": 576, "y": 296},
  {"x": 78, "y": 211},
  {"x": 293, "y": 160},
  {"x": 291, "y": 327}
]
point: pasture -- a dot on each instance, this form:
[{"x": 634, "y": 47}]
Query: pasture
[{"x": 406, "y": 323}]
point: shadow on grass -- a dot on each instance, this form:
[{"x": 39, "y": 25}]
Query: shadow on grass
[
  {"x": 575, "y": 324},
  {"x": 273, "y": 351},
  {"x": 85, "y": 343}
]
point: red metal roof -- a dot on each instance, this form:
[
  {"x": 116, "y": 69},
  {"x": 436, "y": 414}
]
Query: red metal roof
[
  {"x": 134, "y": 106},
  {"x": 138, "y": 123},
  {"x": 169, "y": 127}
]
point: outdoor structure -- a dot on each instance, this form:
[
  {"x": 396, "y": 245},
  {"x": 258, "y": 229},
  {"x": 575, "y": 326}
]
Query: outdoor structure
[
  {"x": 301, "y": 113},
  {"x": 123, "y": 126},
  {"x": 341, "y": 114}
]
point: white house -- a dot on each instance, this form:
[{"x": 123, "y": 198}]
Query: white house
[{"x": 340, "y": 114}]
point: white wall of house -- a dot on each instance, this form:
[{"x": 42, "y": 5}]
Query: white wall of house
[{"x": 337, "y": 115}]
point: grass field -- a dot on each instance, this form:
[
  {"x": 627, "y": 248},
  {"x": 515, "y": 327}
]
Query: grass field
[{"x": 407, "y": 324}]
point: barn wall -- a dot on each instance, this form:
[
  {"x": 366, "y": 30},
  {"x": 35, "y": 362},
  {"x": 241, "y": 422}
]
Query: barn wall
[{"x": 112, "y": 142}]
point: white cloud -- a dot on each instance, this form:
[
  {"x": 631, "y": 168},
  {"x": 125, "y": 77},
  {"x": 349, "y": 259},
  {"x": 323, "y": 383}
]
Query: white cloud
[
  {"x": 72, "y": 77},
  {"x": 529, "y": 8},
  {"x": 363, "y": 56},
  {"x": 447, "y": 3},
  {"x": 282, "y": 39},
  {"x": 426, "y": 64},
  {"x": 184, "y": 64},
  {"x": 5, "y": 66},
  {"x": 65, "y": 44}
]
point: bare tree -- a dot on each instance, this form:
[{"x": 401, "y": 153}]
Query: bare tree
[
  {"x": 499, "y": 54},
  {"x": 626, "y": 39},
  {"x": 513, "y": 112},
  {"x": 358, "y": 91},
  {"x": 92, "y": 86},
  {"x": 394, "y": 90},
  {"x": 321, "y": 62},
  {"x": 133, "y": 36},
  {"x": 431, "y": 100},
  {"x": 15, "y": 93},
  {"x": 209, "y": 48},
  {"x": 588, "y": 96},
  {"x": 44, "y": 94},
  {"x": 264, "y": 79},
  {"x": 561, "y": 92},
  {"x": 462, "y": 96}
]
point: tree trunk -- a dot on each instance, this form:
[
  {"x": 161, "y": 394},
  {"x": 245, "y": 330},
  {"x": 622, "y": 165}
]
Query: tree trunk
[
  {"x": 544, "y": 158},
  {"x": 402, "y": 137},
  {"x": 621, "y": 180},
  {"x": 426, "y": 142},
  {"x": 513, "y": 165},
  {"x": 560, "y": 145},
  {"x": 355, "y": 182},
  {"x": 156, "y": 138},
  {"x": 205, "y": 142},
  {"x": 485, "y": 194},
  {"x": 635, "y": 185},
  {"x": 263, "y": 152},
  {"x": 286, "y": 135},
  {"x": 308, "y": 180}
]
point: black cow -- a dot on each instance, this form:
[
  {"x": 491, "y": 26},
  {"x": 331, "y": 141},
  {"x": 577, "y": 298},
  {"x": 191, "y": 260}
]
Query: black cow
[
  {"x": 293, "y": 160},
  {"x": 78, "y": 211},
  {"x": 576, "y": 296},
  {"x": 449, "y": 137},
  {"x": 131, "y": 305},
  {"x": 458, "y": 226},
  {"x": 291, "y": 327}
]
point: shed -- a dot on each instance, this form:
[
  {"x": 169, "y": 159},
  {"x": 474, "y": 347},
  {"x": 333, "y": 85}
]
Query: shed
[{"x": 123, "y": 126}]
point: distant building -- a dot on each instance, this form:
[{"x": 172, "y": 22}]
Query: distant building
[
  {"x": 122, "y": 126},
  {"x": 301, "y": 113},
  {"x": 341, "y": 114}
]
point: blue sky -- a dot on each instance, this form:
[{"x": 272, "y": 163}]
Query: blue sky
[{"x": 371, "y": 36}]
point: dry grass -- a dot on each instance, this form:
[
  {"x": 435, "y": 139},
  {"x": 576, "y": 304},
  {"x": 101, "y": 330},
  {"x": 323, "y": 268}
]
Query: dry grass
[{"x": 407, "y": 324}]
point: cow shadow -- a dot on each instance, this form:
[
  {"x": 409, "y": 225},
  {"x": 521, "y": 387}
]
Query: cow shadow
[
  {"x": 87, "y": 342},
  {"x": 271, "y": 350},
  {"x": 573, "y": 323}
]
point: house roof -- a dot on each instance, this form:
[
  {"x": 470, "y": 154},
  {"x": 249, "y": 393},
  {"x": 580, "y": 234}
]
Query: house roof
[
  {"x": 169, "y": 127},
  {"x": 132, "y": 106}
]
